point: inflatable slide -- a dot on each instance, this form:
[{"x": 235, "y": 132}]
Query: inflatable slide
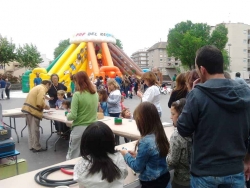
[{"x": 95, "y": 53}]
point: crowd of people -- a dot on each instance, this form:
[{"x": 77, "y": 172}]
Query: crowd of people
[{"x": 210, "y": 113}]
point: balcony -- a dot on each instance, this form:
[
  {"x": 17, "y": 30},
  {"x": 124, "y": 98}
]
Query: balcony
[{"x": 170, "y": 64}]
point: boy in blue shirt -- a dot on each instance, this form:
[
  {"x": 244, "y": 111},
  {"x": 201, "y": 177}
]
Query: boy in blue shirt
[{"x": 37, "y": 80}]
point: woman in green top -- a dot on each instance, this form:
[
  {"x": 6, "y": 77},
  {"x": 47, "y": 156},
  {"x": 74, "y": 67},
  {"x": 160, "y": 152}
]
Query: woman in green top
[{"x": 83, "y": 111}]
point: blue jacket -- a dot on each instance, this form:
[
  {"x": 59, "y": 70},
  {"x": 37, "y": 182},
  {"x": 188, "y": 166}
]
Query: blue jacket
[
  {"x": 147, "y": 162},
  {"x": 2, "y": 84},
  {"x": 104, "y": 107},
  {"x": 118, "y": 80}
]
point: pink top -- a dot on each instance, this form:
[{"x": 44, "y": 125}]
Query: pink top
[{"x": 122, "y": 106}]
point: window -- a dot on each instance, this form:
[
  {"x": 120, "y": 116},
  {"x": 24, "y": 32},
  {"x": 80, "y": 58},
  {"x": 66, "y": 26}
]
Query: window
[
  {"x": 169, "y": 59},
  {"x": 244, "y": 41},
  {"x": 160, "y": 55},
  {"x": 244, "y": 60},
  {"x": 160, "y": 64},
  {"x": 176, "y": 63},
  {"x": 160, "y": 60},
  {"x": 245, "y": 50},
  {"x": 245, "y": 32},
  {"x": 165, "y": 56}
]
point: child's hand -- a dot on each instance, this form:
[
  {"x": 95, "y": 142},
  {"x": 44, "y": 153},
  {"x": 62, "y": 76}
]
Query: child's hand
[
  {"x": 123, "y": 151},
  {"x": 139, "y": 94},
  {"x": 132, "y": 153}
]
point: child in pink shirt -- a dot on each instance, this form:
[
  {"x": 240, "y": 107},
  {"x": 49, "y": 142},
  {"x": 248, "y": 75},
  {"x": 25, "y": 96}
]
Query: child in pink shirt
[
  {"x": 122, "y": 105},
  {"x": 126, "y": 114}
]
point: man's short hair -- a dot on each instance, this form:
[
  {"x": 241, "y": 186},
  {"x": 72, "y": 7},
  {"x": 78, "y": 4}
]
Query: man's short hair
[
  {"x": 237, "y": 74},
  {"x": 45, "y": 82},
  {"x": 210, "y": 57}
]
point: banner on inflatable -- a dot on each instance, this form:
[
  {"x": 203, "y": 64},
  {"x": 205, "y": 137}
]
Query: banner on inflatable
[{"x": 93, "y": 37}]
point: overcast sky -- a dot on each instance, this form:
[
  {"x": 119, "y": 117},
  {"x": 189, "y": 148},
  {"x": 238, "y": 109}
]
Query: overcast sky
[{"x": 137, "y": 23}]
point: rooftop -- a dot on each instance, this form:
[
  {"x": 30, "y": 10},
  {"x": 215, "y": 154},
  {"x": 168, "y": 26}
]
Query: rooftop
[{"x": 159, "y": 45}]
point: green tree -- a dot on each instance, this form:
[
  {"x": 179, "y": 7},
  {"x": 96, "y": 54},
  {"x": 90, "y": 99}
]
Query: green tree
[
  {"x": 219, "y": 36},
  {"x": 63, "y": 44},
  {"x": 28, "y": 56},
  {"x": 7, "y": 51},
  {"x": 119, "y": 43},
  {"x": 186, "y": 38},
  {"x": 226, "y": 59}
]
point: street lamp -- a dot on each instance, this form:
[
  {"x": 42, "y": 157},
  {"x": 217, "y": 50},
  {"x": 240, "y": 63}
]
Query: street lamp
[{"x": 229, "y": 45}]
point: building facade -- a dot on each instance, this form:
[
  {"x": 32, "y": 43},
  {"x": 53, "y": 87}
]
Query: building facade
[
  {"x": 238, "y": 47},
  {"x": 140, "y": 57},
  {"x": 156, "y": 56}
]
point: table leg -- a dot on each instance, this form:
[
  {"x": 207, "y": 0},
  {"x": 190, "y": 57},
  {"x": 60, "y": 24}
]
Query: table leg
[
  {"x": 56, "y": 141},
  {"x": 15, "y": 129},
  {"x": 10, "y": 122},
  {"x": 51, "y": 128},
  {"x": 17, "y": 166},
  {"x": 10, "y": 126},
  {"x": 23, "y": 130},
  {"x": 24, "y": 127},
  {"x": 41, "y": 129}
]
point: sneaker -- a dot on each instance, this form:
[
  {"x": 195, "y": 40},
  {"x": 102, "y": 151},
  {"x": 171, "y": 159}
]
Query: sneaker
[{"x": 40, "y": 150}]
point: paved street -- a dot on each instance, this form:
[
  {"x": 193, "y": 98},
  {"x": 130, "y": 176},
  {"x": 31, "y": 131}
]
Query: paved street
[{"x": 50, "y": 157}]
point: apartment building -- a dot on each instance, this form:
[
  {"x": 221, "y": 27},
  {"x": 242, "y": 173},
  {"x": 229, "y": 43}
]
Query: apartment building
[
  {"x": 140, "y": 58},
  {"x": 158, "y": 57},
  {"x": 238, "y": 47}
]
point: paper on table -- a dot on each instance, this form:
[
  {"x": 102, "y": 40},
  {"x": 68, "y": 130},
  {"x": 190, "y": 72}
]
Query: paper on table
[
  {"x": 165, "y": 124},
  {"x": 105, "y": 119}
]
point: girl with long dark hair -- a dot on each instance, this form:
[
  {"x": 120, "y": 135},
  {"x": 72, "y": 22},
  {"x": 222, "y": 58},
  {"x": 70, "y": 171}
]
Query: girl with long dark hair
[
  {"x": 153, "y": 147},
  {"x": 100, "y": 166}
]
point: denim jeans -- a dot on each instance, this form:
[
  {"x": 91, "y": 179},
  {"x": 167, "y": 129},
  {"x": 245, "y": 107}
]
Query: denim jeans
[
  {"x": 230, "y": 181},
  {"x": 161, "y": 182}
]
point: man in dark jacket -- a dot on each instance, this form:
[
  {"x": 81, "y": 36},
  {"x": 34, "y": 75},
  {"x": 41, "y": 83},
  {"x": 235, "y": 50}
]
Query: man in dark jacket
[{"x": 217, "y": 115}]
